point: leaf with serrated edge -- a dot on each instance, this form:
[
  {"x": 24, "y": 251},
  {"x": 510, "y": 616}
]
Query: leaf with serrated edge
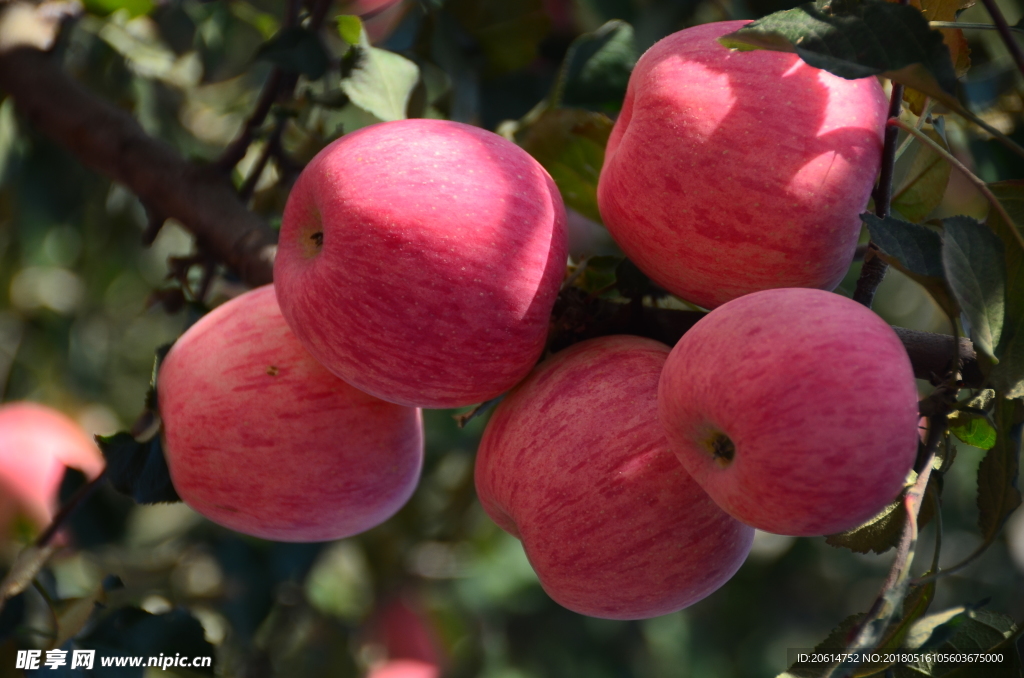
[
  {"x": 1008, "y": 375},
  {"x": 876, "y": 38},
  {"x": 835, "y": 642},
  {"x": 925, "y": 184},
  {"x": 917, "y": 248},
  {"x": 25, "y": 568},
  {"x": 972, "y": 257},
  {"x": 381, "y": 81},
  {"x": 972, "y": 429}
]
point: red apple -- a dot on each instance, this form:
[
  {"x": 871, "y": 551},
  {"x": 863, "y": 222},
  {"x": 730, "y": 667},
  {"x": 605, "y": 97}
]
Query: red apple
[
  {"x": 795, "y": 409},
  {"x": 262, "y": 439},
  {"x": 419, "y": 261},
  {"x": 405, "y": 668},
  {"x": 731, "y": 172},
  {"x": 37, "y": 444},
  {"x": 401, "y": 627},
  {"x": 575, "y": 464}
]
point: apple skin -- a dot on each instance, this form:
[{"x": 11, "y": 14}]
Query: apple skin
[
  {"x": 37, "y": 444},
  {"x": 575, "y": 464},
  {"x": 816, "y": 394},
  {"x": 443, "y": 248},
  {"x": 261, "y": 439},
  {"x": 405, "y": 668},
  {"x": 731, "y": 172},
  {"x": 402, "y": 628}
]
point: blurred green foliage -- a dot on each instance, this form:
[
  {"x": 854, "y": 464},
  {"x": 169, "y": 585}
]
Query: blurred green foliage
[{"x": 82, "y": 311}]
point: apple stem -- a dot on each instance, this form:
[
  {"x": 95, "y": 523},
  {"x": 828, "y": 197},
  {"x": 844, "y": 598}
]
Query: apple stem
[
  {"x": 1005, "y": 33},
  {"x": 873, "y": 270}
]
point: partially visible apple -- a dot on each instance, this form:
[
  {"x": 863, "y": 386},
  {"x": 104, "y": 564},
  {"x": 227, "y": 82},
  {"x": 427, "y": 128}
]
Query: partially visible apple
[
  {"x": 731, "y": 172},
  {"x": 380, "y": 17},
  {"x": 575, "y": 464},
  {"x": 795, "y": 409},
  {"x": 260, "y": 438},
  {"x": 405, "y": 668},
  {"x": 419, "y": 261},
  {"x": 402, "y": 629},
  {"x": 37, "y": 444}
]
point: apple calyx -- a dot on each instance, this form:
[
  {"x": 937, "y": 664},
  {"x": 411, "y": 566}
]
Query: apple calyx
[{"x": 720, "y": 446}]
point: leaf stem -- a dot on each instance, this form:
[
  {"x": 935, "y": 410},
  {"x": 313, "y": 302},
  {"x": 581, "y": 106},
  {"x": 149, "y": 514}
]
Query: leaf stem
[
  {"x": 1004, "y": 32},
  {"x": 978, "y": 182}
]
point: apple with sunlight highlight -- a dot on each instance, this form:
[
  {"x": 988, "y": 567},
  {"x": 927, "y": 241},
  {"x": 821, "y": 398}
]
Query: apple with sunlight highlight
[
  {"x": 260, "y": 438},
  {"x": 405, "y": 668},
  {"x": 731, "y": 172},
  {"x": 574, "y": 463},
  {"x": 419, "y": 261},
  {"x": 37, "y": 444},
  {"x": 795, "y": 409}
]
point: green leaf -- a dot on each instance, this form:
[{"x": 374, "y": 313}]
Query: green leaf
[
  {"x": 935, "y": 629},
  {"x": 965, "y": 630},
  {"x": 596, "y": 69},
  {"x": 972, "y": 256},
  {"x": 350, "y": 27},
  {"x": 569, "y": 143},
  {"x": 835, "y": 642},
  {"x": 882, "y": 532},
  {"x": 630, "y": 280},
  {"x": 74, "y": 614},
  {"x": 998, "y": 495},
  {"x": 296, "y": 50},
  {"x": 134, "y": 8},
  {"x": 915, "y": 249},
  {"x": 136, "y": 469},
  {"x": 25, "y": 568},
  {"x": 925, "y": 183},
  {"x": 1008, "y": 375},
  {"x": 873, "y": 37},
  {"x": 972, "y": 429},
  {"x": 378, "y": 81}
]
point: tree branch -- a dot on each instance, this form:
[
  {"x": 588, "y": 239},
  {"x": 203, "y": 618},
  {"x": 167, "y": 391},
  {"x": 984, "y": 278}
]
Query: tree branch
[{"x": 110, "y": 141}]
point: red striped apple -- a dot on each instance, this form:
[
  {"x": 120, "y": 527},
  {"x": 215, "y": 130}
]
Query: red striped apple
[
  {"x": 37, "y": 444},
  {"x": 260, "y": 438},
  {"x": 419, "y": 261},
  {"x": 732, "y": 172},
  {"x": 795, "y": 409},
  {"x": 575, "y": 464}
]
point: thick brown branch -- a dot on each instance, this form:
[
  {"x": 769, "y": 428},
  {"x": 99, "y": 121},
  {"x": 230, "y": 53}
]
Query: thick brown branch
[{"x": 110, "y": 141}]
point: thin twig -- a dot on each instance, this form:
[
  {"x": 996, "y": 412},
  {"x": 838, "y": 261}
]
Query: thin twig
[
  {"x": 1004, "y": 32},
  {"x": 873, "y": 270},
  {"x": 249, "y": 186},
  {"x": 978, "y": 183},
  {"x": 69, "y": 508}
]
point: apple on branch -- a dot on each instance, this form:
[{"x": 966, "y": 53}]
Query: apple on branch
[
  {"x": 574, "y": 463},
  {"x": 419, "y": 261},
  {"x": 260, "y": 438},
  {"x": 795, "y": 409},
  {"x": 732, "y": 172}
]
